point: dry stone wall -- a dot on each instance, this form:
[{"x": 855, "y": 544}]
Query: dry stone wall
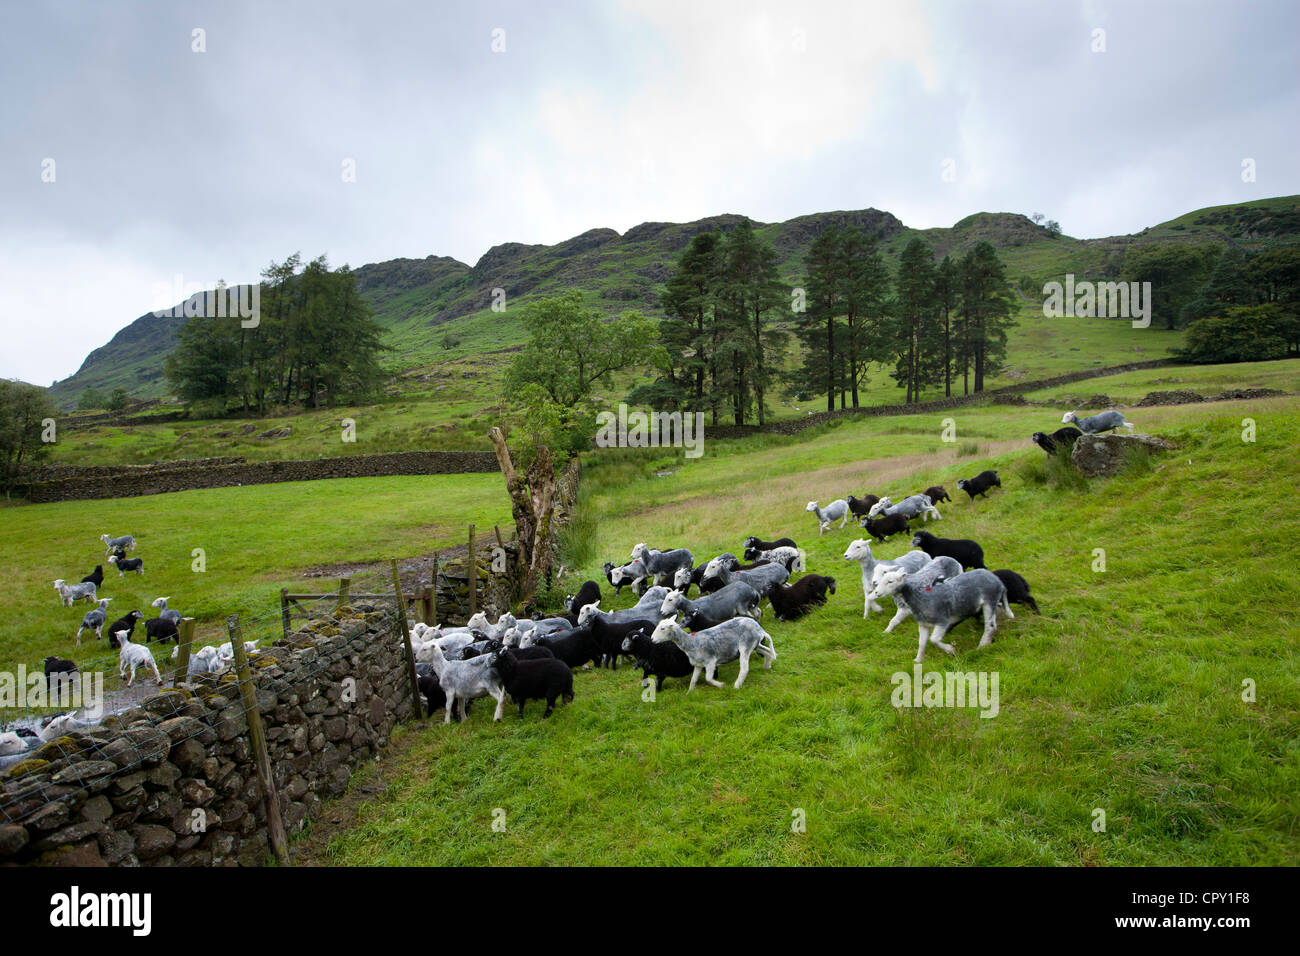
[{"x": 174, "y": 781}]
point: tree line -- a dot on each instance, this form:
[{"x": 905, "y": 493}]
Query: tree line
[
  {"x": 730, "y": 321},
  {"x": 315, "y": 343}
]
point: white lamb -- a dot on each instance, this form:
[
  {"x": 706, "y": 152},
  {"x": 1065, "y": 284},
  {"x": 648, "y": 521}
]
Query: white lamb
[{"x": 134, "y": 656}]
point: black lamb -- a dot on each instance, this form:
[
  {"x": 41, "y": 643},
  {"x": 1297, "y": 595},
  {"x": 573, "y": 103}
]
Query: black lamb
[
  {"x": 609, "y": 637},
  {"x": 95, "y": 577},
  {"x": 1017, "y": 589},
  {"x": 970, "y": 554},
  {"x": 546, "y": 680},
  {"x": 64, "y": 669},
  {"x": 433, "y": 693},
  {"x": 759, "y": 544},
  {"x": 589, "y": 593},
  {"x": 161, "y": 629},
  {"x": 791, "y": 601},
  {"x": 1062, "y": 437},
  {"x": 937, "y": 493},
  {"x": 861, "y": 506},
  {"x": 980, "y": 484},
  {"x": 657, "y": 660},
  {"x": 124, "y": 623},
  {"x": 883, "y": 526},
  {"x": 575, "y": 647}
]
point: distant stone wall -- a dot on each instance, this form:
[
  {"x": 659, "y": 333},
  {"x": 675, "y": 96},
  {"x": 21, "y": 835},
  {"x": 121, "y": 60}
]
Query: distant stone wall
[
  {"x": 174, "y": 781},
  {"x": 1009, "y": 394},
  {"x": 64, "y": 483}
]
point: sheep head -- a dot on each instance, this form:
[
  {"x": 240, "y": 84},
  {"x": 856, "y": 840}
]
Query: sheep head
[
  {"x": 859, "y": 550},
  {"x": 671, "y": 603},
  {"x": 1069, "y": 417},
  {"x": 812, "y": 507},
  {"x": 588, "y": 612},
  {"x": 886, "y": 582},
  {"x": 666, "y": 630},
  {"x": 880, "y": 506},
  {"x": 682, "y": 578},
  {"x": 639, "y": 551}
]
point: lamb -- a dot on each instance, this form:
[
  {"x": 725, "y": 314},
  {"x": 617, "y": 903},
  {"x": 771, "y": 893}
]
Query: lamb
[
  {"x": 124, "y": 565},
  {"x": 61, "y": 672},
  {"x": 980, "y": 484},
  {"x": 936, "y": 494},
  {"x": 226, "y": 652},
  {"x": 434, "y": 698},
  {"x": 706, "y": 649},
  {"x": 609, "y": 576},
  {"x": 970, "y": 554},
  {"x": 662, "y": 565},
  {"x": 762, "y": 578},
  {"x": 547, "y": 680},
  {"x": 732, "y": 600},
  {"x": 1061, "y": 437},
  {"x": 861, "y": 507},
  {"x": 95, "y": 577},
  {"x": 796, "y": 600},
  {"x": 60, "y": 725},
  {"x": 12, "y": 743},
  {"x": 789, "y": 558},
  {"x": 125, "y": 622},
  {"x": 910, "y": 507},
  {"x": 169, "y": 613},
  {"x": 531, "y": 653},
  {"x": 134, "y": 656},
  {"x": 643, "y": 610},
  {"x": 161, "y": 629},
  {"x": 927, "y": 576},
  {"x": 839, "y": 508},
  {"x": 860, "y": 551},
  {"x": 125, "y": 543},
  {"x": 882, "y": 527},
  {"x": 206, "y": 660},
  {"x": 94, "y": 620},
  {"x": 589, "y": 593},
  {"x": 467, "y": 680},
  {"x": 576, "y": 647},
  {"x": 760, "y": 545},
  {"x": 938, "y": 608},
  {"x": 1017, "y": 589},
  {"x": 632, "y": 574},
  {"x": 70, "y": 594},
  {"x": 1096, "y": 424},
  {"x": 657, "y": 660}
]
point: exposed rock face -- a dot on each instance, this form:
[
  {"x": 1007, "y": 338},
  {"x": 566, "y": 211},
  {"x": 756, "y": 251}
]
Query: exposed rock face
[{"x": 1098, "y": 456}]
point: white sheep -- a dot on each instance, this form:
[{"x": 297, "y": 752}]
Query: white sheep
[
  {"x": 839, "y": 508},
  {"x": 134, "y": 656},
  {"x": 70, "y": 594}
]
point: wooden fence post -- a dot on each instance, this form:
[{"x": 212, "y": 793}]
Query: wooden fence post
[
  {"x": 284, "y": 611},
  {"x": 472, "y": 565},
  {"x": 257, "y": 737},
  {"x": 345, "y": 585},
  {"x": 406, "y": 642},
  {"x": 426, "y": 605},
  {"x": 433, "y": 596},
  {"x": 183, "y": 651}
]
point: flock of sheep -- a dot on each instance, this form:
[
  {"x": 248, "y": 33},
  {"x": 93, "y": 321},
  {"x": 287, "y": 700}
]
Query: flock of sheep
[{"x": 669, "y": 633}]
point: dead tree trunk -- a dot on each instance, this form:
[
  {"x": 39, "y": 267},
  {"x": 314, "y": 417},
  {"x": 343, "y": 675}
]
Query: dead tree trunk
[{"x": 532, "y": 501}]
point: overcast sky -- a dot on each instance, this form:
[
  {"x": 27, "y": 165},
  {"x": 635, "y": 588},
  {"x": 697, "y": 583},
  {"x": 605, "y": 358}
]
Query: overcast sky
[{"x": 208, "y": 165}]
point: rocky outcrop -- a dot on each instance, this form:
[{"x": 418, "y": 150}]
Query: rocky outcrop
[{"x": 1099, "y": 456}]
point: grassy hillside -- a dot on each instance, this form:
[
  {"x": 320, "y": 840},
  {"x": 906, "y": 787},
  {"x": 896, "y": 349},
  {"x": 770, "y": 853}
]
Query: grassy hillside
[
  {"x": 1125, "y": 695},
  {"x": 419, "y": 301}
]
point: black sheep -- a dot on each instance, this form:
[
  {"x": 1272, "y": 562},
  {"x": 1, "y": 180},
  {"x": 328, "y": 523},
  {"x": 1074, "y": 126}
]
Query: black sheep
[
  {"x": 657, "y": 660},
  {"x": 95, "y": 577},
  {"x": 575, "y": 647},
  {"x": 860, "y": 506},
  {"x": 124, "y": 623},
  {"x": 970, "y": 554},
  {"x": 1017, "y": 589},
  {"x": 536, "y": 652},
  {"x": 609, "y": 638},
  {"x": 980, "y": 484},
  {"x": 795, "y": 600},
  {"x": 64, "y": 669},
  {"x": 1061, "y": 437},
  {"x": 433, "y": 693},
  {"x": 161, "y": 629},
  {"x": 883, "y": 526},
  {"x": 589, "y": 593},
  {"x": 759, "y": 544},
  {"x": 937, "y": 493},
  {"x": 547, "y": 680}
]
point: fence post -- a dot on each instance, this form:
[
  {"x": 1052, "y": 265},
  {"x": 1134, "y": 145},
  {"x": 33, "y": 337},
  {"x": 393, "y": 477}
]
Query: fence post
[
  {"x": 345, "y": 585},
  {"x": 472, "y": 565},
  {"x": 183, "y": 653},
  {"x": 426, "y": 605},
  {"x": 257, "y": 737},
  {"x": 406, "y": 641},
  {"x": 433, "y": 595},
  {"x": 284, "y": 611}
]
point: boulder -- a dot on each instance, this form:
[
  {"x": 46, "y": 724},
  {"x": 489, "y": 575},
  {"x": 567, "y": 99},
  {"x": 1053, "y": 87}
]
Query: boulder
[{"x": 1099, "y": 456}]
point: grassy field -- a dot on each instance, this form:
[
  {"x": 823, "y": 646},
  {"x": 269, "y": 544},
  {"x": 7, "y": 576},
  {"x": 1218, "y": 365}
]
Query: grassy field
[
  {"x": 1125, "y": 696},
  {"x": 255, "y": 540}
]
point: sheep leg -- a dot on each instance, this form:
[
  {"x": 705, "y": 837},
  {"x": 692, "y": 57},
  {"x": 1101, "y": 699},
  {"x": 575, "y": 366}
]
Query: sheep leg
[
  {"x": 990, "y": 624},
  {"x": 744, "y": 668},
  {"x": 695, "y": 675},
  {"x": 899, "y": 618},
  {"x": 923, "y": 633},
  {"x": 710, "y": 669},
  {"x": 501, "y": 704},
  {"x": 451, "y": 702},
  {"x": 936, "y": 638}
]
